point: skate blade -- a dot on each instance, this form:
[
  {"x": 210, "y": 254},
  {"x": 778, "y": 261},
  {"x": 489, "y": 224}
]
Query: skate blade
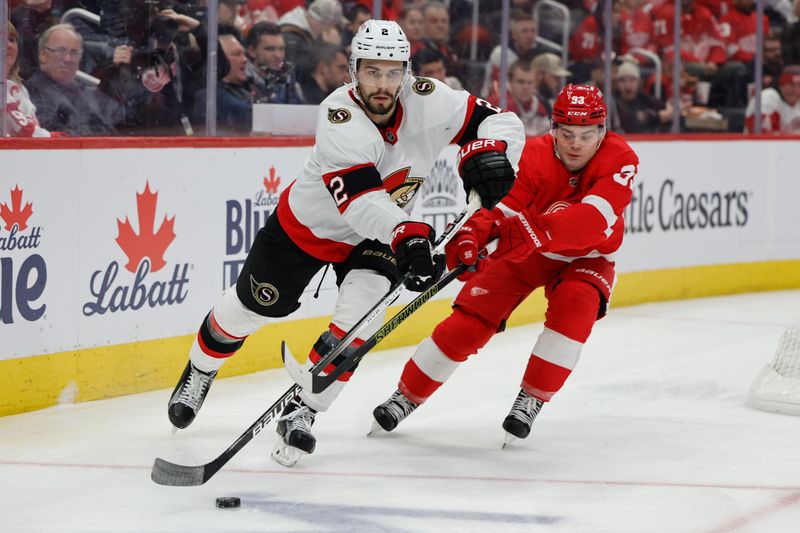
[
  {"x": 508, "y": 440},
  {"x": 376, "y": 429},
  {"x": 286, "y": 455}
]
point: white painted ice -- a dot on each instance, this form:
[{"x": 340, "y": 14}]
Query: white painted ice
[{"x": 650, "y": 434}]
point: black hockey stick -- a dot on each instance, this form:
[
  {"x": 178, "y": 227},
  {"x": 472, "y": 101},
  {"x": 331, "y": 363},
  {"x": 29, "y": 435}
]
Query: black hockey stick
[
  {"x": 473, "y": 204},
  {"x": 175, "y": 475},
  {"x": 171, "y": 474},
  {"x": 321, "y": 382}
]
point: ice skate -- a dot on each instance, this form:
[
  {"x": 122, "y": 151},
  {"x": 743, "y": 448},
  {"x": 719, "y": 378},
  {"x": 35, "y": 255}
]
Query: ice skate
[
  {"x": 519, "y": 420},
  {"x": 294, "y": 427},
  {"x": 188, "y": 396},
  {"x": 391, "y": 412}
]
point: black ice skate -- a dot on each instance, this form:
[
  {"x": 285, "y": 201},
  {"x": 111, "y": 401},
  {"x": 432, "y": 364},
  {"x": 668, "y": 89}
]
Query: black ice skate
[
  {"x": 188, "y": 396},
  {"x": 519, "y": 421},
  {"x": 294, "y": 427},
  {"x": 391, "y": 412}
]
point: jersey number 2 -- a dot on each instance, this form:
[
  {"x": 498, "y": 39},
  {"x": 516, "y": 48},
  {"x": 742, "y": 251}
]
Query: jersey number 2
[{"x": 336, "y": 186}]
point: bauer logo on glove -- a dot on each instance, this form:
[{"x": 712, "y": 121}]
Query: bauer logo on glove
[{"x": 484, "y": 167}]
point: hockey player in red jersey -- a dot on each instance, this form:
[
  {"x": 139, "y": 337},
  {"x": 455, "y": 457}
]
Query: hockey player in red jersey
[
  {"x": 557, "y": 228},
  {"x": 376, "y": 141}
]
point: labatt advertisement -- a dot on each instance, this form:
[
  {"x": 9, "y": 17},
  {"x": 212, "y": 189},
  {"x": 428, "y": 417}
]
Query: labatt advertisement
[
  {"x": 111, "y": 246},
  {"x": 23, "y": 270}
]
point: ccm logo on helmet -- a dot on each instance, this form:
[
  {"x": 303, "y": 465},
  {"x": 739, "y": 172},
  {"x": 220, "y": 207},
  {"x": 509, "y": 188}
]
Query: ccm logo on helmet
[{"x": 577, "y": 113}]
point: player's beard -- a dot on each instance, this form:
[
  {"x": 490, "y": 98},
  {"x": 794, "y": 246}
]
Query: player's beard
[{"x": 380, "y": 108}]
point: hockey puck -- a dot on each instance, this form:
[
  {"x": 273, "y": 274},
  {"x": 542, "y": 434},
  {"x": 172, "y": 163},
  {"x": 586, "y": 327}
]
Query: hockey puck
[{"x": 228, "y": 502}]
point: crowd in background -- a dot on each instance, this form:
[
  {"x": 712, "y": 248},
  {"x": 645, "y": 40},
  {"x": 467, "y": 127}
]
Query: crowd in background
[{"x": 138, "y": 67}]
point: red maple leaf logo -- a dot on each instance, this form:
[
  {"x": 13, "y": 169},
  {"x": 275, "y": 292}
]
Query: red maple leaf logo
[
  {"x": 15, "y": 215},
  {"x": 271, "y": 183},
  {"x": 147, "y": 243}
]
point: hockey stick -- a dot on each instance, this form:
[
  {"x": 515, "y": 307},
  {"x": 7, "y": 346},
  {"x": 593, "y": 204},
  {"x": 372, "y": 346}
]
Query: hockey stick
[
  {"x": 171, "y": 474},
  {"x": 175, "y": 475},
  {"x": 473, "y": 204},
  {"x": 318, "y": 383}
]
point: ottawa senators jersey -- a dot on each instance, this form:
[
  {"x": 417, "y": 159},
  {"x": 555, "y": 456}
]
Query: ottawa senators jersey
[
  {"x": 582, "y": 211},
  {"x": 361, "y": 180}
]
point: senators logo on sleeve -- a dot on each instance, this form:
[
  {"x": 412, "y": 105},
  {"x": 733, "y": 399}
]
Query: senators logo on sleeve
[
  {"x": 423, "y": 86},
  {"x": 339, "y": 115}
]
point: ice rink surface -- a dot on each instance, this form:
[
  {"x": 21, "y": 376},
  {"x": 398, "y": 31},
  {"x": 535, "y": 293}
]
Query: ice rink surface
[{"x": 650, "y": 434}]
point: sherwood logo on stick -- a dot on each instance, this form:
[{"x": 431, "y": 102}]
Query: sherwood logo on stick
[
  {"x": 145, "y": 251},
  {"x": 23, "y": 283}
]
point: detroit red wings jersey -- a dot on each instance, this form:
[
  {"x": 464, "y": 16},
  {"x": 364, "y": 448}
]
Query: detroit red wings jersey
[
  {"x": 360, "y": 180},
  {"x": 739, "y": 31},
  {"x": 700, "y": 37},
  {"x": 20, "y": 115},
  {"x": 777, "y": 116},
  {"x": 582, "y": 211}
]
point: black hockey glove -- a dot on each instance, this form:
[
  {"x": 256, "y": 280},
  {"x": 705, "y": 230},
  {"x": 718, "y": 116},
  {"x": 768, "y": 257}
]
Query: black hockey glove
[
  {"x": 411, "y": 244},
  {"x": 483, "y": 166}
]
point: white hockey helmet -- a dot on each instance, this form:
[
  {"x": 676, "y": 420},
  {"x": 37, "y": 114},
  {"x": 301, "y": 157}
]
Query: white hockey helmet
[{"x": 380, "y": 39}]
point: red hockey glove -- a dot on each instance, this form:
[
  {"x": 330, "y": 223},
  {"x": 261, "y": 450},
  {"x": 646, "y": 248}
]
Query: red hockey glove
[
  {"x": 483, "y": 166},
  {"x": 463, "y": 247},
  {"x": 520, "y": 235},
  {"x": 411, "y": 244}
]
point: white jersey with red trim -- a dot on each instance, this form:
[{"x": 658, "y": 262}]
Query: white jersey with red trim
[
  {"x": 777, "y": 116},
  {"x": 361, "y": 180}
]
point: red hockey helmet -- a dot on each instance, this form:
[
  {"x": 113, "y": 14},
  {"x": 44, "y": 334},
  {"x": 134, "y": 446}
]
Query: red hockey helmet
[{"x": 580, "y": 105}]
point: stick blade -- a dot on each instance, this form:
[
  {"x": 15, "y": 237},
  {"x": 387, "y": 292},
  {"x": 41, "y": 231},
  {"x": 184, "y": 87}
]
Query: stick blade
[
  {"x": 173, "y": 475},
  {"x": 296, "y": 371}
]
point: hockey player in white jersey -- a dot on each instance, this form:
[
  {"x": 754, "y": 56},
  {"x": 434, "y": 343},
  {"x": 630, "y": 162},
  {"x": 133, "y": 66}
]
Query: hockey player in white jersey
[{"x": 376, "y": 141}]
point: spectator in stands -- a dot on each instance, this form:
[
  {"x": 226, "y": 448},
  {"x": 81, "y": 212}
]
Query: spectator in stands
[
  {"x": 273, "y": 78},
  {"x": 411, "y": 21},
  {"x": 227, "y": 14},
  {"x": 522, "y": 45},
  {"x": 790, "y": 38},
  {"x": 304, "y": 28},
  {"x": 234, "y": 98},
  {"x": 390, "y": 9},
  {"x": 550, "y": 75},
  {"x": 687, "y": 84},
  {"x": 436, "y": 34},
  {"x": 329, "y": 73},
  {"x": 638, "y": 112},
  {"x": 701, "y": 40},
  {"x": 738, "y": 28},
  {"x": 20, "y": 113},
  {"x": 62, "y": 103},
  {"x": 780, "y": 109},
  {"x": 522, "y": 99},
  {"x": 631, "y": 19},
  {"x": 429, "y": 63},
  {"x": 773, "y": 61},
  {"x": 31, "y": 18},
  {"x": 356, "y": 15},
  {"x": 151, "y": 79}
]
